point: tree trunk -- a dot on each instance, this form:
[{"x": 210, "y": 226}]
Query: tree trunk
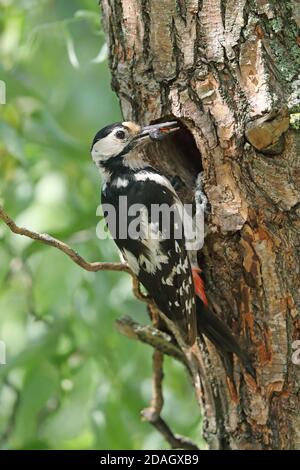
[{"x": 227, "y": 69}]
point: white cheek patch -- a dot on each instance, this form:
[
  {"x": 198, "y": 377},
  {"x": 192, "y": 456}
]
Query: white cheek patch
[{"x": 107, "y": 147}]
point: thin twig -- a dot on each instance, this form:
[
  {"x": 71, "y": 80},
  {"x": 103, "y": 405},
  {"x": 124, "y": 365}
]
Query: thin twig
[
  {"x": 62, "y": 246},
  {"x": 153, "y": 413},
  {"x": 136, "y": 289}
]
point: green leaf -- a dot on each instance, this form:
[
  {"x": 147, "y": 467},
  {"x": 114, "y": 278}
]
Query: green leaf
[
  {"x": 40, "y": 385},
  {"x": 72, "y": 419}
]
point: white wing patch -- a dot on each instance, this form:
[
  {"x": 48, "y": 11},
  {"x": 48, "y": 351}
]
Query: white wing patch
[
  {"x": 182, "y": 266},
  {"x": 188, "y": 305},
  {"x": 120, "y": 182},
  {"x": 186, "y": 287},
  {"x": 169, "y": 281},
  {"x": 153, "y": 261},
  {"x": 155, "y": 255},
  {"x": 185, "y": 296},
  {"x": 131, "y": 260},
  {"x": 159, "y": 179}
]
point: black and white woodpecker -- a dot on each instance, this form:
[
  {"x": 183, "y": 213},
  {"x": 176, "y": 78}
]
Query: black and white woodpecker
[{"x": 161, "y": 263}]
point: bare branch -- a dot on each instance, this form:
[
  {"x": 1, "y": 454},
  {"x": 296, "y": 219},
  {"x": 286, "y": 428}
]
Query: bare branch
[
  {"x": 151, "y": 336},
  {"x": 62, "y": 246},
  {"x": 163, "y": 344},
  {"x": 153, "y": 413}
]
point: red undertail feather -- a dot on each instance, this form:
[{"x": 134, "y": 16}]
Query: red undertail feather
[{"x": 199, "y": 285}]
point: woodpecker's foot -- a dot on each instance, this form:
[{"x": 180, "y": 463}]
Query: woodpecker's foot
[{"x": 201, "y": 201}]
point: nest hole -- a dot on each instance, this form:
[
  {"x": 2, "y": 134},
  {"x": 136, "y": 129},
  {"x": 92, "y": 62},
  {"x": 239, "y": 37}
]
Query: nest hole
[{"x": 177, "y": 157}]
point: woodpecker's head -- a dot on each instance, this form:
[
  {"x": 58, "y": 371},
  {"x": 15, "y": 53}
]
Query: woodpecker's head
[{"x": 122, "y": 138}]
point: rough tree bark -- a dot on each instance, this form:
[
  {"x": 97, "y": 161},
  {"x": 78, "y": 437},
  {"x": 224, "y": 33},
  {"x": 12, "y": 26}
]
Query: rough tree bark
[{"x": 228, "y": 70}]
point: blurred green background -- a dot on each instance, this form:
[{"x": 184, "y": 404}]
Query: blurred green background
[{"x": 71, "y": 381}]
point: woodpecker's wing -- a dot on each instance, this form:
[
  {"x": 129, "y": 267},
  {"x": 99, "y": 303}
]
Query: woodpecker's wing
[{"x": 159, "y": 259}]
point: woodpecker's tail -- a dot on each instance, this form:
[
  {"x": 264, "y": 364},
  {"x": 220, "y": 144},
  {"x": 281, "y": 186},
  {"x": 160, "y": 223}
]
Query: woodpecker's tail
[{"x": 217, "y": 331}]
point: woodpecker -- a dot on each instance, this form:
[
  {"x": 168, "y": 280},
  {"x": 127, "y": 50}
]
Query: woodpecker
[{"x": 161, "y": 263}]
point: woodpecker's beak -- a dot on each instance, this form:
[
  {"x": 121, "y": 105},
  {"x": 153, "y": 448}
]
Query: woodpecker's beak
[{"x": 158, "y": 131}]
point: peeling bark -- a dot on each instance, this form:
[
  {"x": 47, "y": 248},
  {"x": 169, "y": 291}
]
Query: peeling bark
[{"x": 228, "y": 70}]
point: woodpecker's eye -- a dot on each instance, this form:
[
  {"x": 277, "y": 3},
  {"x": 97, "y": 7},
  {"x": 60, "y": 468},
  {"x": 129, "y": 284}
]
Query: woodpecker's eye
[{"x": 120, "y": 134}]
